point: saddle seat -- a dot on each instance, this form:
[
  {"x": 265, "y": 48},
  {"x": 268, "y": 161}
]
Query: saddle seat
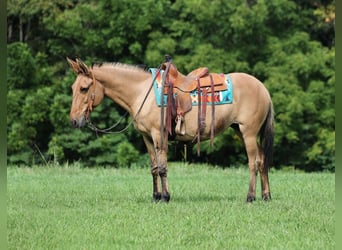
[
  {"x": 189, "y": 82},
  {"x": 182, "y": 86}
]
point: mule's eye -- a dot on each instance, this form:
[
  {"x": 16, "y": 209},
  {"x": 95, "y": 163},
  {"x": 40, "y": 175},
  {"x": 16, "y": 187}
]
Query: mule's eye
[{"x": 84, "y": 90}]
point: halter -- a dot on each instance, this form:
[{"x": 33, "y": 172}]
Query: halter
[
  {"x": 107, "y": 130},
  {"x": 92, "y": 99}
]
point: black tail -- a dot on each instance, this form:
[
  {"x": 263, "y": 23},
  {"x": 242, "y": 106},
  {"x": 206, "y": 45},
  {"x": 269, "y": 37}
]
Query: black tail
[{"x": 267, "y": 136}]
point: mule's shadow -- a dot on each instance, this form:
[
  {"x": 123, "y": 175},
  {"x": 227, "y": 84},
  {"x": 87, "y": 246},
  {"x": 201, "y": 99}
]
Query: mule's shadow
[
  {"x": 203, "y": 198},
  {"x": 178, "y": 198}
]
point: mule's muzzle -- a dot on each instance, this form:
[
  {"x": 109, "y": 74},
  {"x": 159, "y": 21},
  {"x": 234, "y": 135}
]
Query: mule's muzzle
[
  {"x": 74, "y": 123},
  {"x": 78, "y": 123}
]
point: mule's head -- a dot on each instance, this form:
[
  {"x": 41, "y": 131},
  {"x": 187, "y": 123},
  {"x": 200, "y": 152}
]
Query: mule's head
[{"x": 87, "y": 92}]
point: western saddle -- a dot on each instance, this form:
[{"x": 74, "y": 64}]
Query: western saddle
[{"x": 178, "y": 88}]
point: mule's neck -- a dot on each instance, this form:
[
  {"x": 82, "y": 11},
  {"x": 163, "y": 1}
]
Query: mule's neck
[{"x": 124, "y": 84}]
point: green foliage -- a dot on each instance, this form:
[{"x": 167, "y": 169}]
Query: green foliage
[
  {"x": 300, "y": 77},
  {"x": 126, "y": 154},
  {"x": 21, "y": 68},
  {"x": 27, "y": 105},
  {"x": 289, "y": 45}
]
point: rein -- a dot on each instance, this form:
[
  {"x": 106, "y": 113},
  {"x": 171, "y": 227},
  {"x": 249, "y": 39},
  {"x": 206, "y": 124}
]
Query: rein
[
  {"x": 165, "y": 75},
  {"x": 107, "y": 130}
]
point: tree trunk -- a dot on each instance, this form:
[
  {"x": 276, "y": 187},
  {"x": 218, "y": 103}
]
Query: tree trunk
[{"x": 21, "y": 31}]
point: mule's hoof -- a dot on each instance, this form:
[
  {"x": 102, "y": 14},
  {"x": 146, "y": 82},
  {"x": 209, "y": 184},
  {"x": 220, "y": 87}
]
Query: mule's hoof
[
  {"x": 266, "y": 197},
  {"x": 250, "y": 198},
  {"x": 165, "y": 197},
  {"x": 156, "y": 197}
]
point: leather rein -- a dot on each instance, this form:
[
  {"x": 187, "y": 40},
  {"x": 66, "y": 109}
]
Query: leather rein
[{"x": 108, "y": 130}]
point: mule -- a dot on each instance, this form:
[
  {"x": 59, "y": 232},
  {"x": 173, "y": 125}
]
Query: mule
[{"x": 250, "y": 114}]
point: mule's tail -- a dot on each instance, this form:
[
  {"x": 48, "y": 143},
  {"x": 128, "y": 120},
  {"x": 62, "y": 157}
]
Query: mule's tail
[{"x": 267, "y": 136}]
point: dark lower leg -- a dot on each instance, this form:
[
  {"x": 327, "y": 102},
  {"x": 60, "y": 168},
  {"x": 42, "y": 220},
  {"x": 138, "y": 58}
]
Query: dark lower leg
[
  {"x": 165, "y": 196},
  {"x": 265, "y": 186},
  {"x": 252, "y": 183},
  {"x": 156, "y": 186}
]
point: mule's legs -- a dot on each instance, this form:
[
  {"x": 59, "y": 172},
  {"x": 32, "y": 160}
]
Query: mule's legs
[
  {"x": 252, "y": 152},
  {"x": 254, "y": 160},
  {"x": 162, "y": 169},
  {"x": 158, "y": 160},
  {"x": 156, "y": 196},
  {"x": 160, "y": 147},
  {"x": 265, "y": 186}
]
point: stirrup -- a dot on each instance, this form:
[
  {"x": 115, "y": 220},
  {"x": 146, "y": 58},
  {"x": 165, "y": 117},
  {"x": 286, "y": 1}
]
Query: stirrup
[{"x": 180, "y": 127}]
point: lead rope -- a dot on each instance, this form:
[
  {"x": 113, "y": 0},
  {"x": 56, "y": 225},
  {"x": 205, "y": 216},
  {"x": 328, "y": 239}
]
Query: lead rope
[{"x": 107, "y": 130}]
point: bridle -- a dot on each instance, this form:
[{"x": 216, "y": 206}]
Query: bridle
[
  {"x": 92, "y": 99},
  {"x": 108, "y": 130}
]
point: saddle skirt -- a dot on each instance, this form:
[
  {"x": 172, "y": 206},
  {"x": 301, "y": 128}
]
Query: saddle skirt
[{"x": 223, "y": 93}]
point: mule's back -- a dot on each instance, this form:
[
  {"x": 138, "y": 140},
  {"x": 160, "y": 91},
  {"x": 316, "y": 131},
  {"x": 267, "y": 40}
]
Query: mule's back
[{"x": 249, "y": 107}]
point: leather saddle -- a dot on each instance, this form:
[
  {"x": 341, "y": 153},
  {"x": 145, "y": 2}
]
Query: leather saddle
[
  {"x": 179, "y": 86},
  {"x": 189, "y": 82}
]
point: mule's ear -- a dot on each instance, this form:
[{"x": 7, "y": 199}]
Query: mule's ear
[
  {"x": 83, "y": 67},
  {"x": 73, "y": 65}
]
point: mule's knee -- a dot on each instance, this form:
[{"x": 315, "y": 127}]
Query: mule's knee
[
  {"x": 162, "y": 170},
  {"x": 154, "y": 171},
  {"x": 259, "y": 164}
]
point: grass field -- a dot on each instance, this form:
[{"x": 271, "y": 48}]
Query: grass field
[{"x": 74, "y": 208}]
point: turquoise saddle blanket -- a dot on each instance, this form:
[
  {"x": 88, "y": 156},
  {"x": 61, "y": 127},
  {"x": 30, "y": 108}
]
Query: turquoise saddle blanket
[{"x": 219, "y": 97}]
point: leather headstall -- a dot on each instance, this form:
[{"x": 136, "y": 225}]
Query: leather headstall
[{"x": 92, "y": 97}]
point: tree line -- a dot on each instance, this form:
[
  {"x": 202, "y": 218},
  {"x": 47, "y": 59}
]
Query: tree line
[{"x": 288, "y": 45}]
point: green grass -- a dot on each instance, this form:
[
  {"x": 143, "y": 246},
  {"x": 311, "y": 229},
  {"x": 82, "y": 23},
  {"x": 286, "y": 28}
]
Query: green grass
[{"x": 74, "y": 208}]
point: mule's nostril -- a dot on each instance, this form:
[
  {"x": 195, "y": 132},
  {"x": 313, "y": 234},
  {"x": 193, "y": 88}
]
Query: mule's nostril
[{"x": 73, "y": 123}]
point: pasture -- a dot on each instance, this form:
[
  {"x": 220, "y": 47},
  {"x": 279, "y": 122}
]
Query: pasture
[{"x": 70, "y": 207}]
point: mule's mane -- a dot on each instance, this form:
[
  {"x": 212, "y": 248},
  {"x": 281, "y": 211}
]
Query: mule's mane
[{"x": 123, "y": 66}]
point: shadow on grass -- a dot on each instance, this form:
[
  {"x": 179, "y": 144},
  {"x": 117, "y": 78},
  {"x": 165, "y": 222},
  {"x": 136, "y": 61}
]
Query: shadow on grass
[
  {"x": 197, "y": 198},
  {"x": 205, "y": 198}
]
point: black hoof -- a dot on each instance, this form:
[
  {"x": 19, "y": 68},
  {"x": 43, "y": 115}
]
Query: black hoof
[
  {"x": 165, "y": 197},
  {"x": 266, "y": 197},
  {"x": 156, "y": 197},
  {"x": 250, "y": 198}
]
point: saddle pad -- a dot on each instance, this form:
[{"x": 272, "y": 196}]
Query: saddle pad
[{"x": 218, "y": 97}]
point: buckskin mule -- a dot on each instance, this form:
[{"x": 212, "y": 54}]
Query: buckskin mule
[{"x": 250, "y": 114}]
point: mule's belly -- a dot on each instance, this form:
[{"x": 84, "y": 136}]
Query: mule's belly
[{"x": 223, "y": 118}]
